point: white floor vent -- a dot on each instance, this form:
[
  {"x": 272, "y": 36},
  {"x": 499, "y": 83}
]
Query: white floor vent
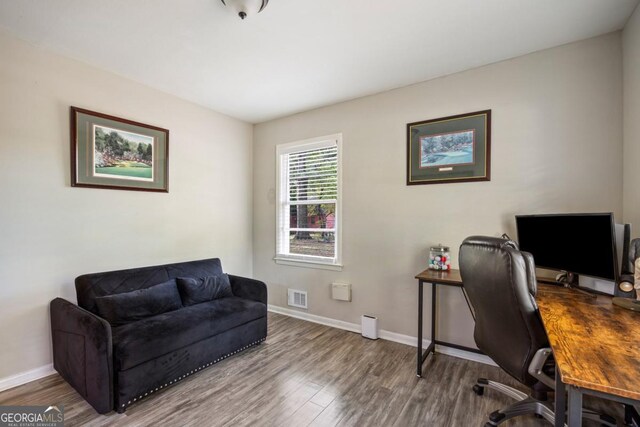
[{"x": 297, "y": 298}]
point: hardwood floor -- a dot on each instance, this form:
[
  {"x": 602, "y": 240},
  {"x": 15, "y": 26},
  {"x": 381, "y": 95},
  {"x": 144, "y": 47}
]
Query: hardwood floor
[{"x": 306, "y": 374}]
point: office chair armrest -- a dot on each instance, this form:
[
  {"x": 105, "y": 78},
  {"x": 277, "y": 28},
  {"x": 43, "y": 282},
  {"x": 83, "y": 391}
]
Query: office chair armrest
[{"x": 536, "y": 367}]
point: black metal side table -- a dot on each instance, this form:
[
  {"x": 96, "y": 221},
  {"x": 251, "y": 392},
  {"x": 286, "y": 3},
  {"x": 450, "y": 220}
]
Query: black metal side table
[{"x": 434, "y": 277}]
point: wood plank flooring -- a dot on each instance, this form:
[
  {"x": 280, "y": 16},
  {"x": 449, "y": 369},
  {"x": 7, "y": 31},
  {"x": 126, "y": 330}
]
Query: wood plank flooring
[{"x": 306, "y": 374}]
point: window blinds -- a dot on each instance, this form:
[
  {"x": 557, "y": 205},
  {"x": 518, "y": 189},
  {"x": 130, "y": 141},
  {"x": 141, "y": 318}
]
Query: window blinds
[{"x": 313, "y": 175}]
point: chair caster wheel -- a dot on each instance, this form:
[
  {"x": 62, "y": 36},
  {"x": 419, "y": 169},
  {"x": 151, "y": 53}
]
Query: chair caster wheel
[
  {"x": 489, "y": 425},
  {"x": 496, "y": 417},
  {"x": 478, "y": 390}
]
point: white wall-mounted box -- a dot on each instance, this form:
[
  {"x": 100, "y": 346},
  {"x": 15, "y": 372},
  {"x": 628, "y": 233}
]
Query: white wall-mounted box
[{"x": 341, "y": 291}]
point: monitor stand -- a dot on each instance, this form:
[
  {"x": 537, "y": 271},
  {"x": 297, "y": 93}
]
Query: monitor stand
[
  {"x": 572, "y": 280},
  {"x": 568, "y": 279}
]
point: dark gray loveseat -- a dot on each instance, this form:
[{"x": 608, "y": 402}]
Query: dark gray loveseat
[{"x": 115, "y": 363}]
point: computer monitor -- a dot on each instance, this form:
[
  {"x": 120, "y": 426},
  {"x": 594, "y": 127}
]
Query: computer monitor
[{"x": 582, "y": 243}]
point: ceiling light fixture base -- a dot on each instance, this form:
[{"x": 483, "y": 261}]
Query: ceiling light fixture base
[{"x": 246, "y": 7}]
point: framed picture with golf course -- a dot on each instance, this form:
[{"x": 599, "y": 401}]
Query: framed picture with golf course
[
  {"x": 119, "y": 154},
  {"x": 450, "y": 149}
]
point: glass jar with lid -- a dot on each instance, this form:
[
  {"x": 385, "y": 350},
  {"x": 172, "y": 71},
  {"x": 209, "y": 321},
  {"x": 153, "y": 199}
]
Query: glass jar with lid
[{"x": 439, "y": 258}]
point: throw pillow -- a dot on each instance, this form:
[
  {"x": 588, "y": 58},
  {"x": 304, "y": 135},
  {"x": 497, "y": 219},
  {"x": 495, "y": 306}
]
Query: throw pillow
[
  {"x": 126, "y": 307},
  {"x": 197, "y": 290}
]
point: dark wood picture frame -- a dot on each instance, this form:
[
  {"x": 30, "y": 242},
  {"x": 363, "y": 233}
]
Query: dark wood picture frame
[
  {"x": 470, "y": 162},
  {"x": 146, "y": 170}
]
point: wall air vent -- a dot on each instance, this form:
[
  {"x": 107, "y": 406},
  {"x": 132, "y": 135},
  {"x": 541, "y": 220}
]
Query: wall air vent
[{"x": 297, "y": 298}]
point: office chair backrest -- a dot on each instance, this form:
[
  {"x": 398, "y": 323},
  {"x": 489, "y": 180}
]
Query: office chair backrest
[{"x": 500, "y": 281}]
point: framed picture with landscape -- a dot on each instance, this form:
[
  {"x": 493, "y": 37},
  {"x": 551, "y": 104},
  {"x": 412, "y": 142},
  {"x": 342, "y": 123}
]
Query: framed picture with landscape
[
  {"x": 115, "y": 153},
  {"x": 449, "y": 149}
]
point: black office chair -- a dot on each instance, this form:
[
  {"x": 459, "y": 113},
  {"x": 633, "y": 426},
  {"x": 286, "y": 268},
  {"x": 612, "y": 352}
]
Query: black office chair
[{"x": 500, "y": 282}]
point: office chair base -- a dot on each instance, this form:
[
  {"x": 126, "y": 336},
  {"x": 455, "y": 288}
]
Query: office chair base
[
  {"x": 513, "y": 393},
  {"x": 527, "y": 405}
]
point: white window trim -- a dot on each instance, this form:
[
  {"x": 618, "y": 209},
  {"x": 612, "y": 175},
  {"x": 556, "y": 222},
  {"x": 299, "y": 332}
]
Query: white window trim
[{"x": 302, "y": 260}]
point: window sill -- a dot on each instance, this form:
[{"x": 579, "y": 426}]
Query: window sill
[{"x": 308, "y": 264}]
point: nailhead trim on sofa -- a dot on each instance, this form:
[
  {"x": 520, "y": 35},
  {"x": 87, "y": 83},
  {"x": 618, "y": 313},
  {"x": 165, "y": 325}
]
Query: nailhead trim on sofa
[{"x": 135, "y": 399}]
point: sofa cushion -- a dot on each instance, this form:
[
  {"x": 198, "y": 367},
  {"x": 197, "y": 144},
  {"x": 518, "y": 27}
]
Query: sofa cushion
[
  {"x": 127, "y": 307},
  {"x": 196, "y": 290},
  {"x": 138, "y": 342},
  {"x": 91, "y": 286}
]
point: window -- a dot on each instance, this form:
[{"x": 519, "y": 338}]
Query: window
[{"x": 308, "y": 192}]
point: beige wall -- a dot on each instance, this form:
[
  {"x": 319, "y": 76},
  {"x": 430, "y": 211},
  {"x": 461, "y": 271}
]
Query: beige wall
[
  {"x": 631, "y": 84},
  {"x": 51, "y": 232},
  {"x": 557, "y": 147}
]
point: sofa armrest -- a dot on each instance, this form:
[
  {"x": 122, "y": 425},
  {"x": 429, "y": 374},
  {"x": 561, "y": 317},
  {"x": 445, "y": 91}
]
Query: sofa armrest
[
  {"x": 244, "y": 287},
  {"x": 82, "y": 352}
]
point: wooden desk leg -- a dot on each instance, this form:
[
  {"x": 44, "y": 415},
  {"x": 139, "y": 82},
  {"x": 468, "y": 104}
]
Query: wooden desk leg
[
  {"x": 419, "y": 358},
  {"x": 560, "y": 401},
  {"x": 575, "y": 407}
]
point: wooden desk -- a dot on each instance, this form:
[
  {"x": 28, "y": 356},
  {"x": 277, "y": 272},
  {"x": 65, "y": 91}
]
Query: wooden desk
[
  {"x": 596, "y": 346},
  {"x": 446, "y": 278}
]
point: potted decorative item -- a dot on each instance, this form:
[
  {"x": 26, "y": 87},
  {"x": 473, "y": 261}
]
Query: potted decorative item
[{"x": 439, "y": 258}]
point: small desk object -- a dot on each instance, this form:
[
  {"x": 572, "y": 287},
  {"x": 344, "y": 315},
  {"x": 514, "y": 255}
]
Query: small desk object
[
  {"x": 596, "y": 347},
  {"x": 435, "y": 277}
]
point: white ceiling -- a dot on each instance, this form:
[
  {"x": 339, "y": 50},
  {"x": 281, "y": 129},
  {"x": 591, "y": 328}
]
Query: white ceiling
[{"x": 300, "y": 54}]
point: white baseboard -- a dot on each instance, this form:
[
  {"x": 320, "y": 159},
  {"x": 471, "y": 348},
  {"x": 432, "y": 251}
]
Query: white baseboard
[
  {"x": 327, "y": 321},
  {"x": 25, "y": 377},
  {"x": 385, "y": 335}
]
